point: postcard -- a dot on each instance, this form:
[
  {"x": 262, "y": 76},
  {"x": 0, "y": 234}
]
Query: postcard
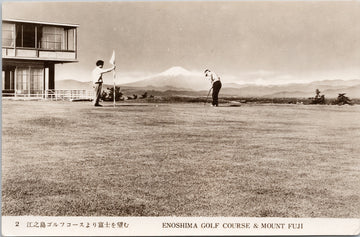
[{"x": 168, "y": 118}]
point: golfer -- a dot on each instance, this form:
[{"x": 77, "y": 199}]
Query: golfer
[
  {"x": 98, "y": 81},
  {"x": 216, "y": 86}
]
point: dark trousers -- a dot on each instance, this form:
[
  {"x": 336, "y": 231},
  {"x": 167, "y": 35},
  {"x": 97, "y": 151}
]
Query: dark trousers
[
  {"x": 215, "y": 93},
  {"x": 98, "y": 89}
]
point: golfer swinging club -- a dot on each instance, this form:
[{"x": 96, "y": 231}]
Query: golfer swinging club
[
  {"x": 97, "y": 80},
  {"x": 216, "y": 86}
]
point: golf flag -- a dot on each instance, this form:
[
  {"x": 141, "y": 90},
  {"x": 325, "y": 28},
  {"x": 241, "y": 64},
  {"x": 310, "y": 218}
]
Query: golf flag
[{"x": 112, "y": 59}]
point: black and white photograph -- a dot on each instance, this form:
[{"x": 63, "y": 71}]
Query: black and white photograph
[{"x": 153, "y": 118}]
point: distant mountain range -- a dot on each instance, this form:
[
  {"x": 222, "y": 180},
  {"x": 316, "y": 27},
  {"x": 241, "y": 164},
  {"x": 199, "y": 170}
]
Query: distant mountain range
[
  {"x": 174, "y": 78},
  {"x": 179, "y": 81}
]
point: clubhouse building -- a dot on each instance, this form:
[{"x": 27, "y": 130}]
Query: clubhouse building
[{"x": 30, "y": 51}]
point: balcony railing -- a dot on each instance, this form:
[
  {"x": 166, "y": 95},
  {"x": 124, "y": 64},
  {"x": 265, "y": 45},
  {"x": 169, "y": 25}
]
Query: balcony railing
[
  {"x": 49, "y": 94},
  {"x": 39, "y": 54}
]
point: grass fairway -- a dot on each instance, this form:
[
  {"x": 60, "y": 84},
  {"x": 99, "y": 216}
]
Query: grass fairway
[{"x": 72, "y": 159}]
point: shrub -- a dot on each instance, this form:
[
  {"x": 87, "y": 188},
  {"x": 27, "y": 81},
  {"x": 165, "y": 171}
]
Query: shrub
[{"x": 108, "y": 95}]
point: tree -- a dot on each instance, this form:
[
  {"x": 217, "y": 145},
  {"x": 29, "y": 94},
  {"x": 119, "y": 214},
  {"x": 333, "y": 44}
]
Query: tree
[
  {"x": 143, "y": 96},
  {"x": 318, "y": 99},
  {"x": 104, "y": 96},
  {"x": 342, "y": 100},
  {"x": 108, "y": 95},
  {"x": 118, "y": 93}
]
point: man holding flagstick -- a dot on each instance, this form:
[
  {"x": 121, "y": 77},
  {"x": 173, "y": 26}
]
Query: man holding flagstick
[{"x": 98, "y": 80}]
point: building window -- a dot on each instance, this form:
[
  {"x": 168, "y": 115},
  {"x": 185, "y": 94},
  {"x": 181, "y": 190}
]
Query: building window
[
  {"x": 36, "y": 80},
  {"x": 8, "y": 78},
  {"x": 71, "y": 39},
  {"x": 25, "y": 36},
  {"x": 22, "y": 78},
  {"x": 29, "y": 36},
  {"x": 38, "y": 36},
  {"x": 8, "y": 34},
  {"x": 11, "y": 79},
  {"x": 53, "y": 38},
  {"x": 29, "y": 80}
]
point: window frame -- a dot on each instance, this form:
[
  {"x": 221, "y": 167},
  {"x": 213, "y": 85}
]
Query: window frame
[
  {"x": 13, "y": 38},
  {"x": 68, "y": 42}
]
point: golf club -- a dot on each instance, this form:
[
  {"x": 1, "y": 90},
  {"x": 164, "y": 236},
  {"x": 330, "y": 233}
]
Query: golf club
[{"x": 207, "y": 96}]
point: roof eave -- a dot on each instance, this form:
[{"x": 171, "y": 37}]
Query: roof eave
[{"x": 41, "y": 22}]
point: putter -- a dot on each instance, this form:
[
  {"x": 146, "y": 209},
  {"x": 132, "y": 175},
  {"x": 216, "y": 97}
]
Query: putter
[{"x": 207, "y": 96}]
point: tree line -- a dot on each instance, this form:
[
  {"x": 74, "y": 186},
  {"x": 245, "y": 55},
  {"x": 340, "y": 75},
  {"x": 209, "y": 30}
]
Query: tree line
[{"x": 108, "y": 95}]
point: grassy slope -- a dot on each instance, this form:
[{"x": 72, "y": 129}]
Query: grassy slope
[{"x": 62, "y": 158}]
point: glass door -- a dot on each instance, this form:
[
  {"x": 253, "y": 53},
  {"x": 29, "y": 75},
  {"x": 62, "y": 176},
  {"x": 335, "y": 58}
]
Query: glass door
[
  {"x": 36, "y": 81},
  {"x": 30, "y": 81}
]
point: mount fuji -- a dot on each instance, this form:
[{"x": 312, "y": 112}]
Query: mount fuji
[
  {"x": 175, "y": 78},
  {"x": 176, "y": 71}
]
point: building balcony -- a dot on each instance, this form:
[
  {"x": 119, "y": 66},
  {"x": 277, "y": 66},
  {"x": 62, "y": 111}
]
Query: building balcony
[
  {"x": 40, "y": 41},
  {"x": 38, "y": 54}
]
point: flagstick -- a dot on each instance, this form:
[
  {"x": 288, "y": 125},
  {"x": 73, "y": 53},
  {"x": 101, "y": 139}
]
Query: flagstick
[
  {"x": 114, "y": 86},
  {"x": 112, "y": 61}
]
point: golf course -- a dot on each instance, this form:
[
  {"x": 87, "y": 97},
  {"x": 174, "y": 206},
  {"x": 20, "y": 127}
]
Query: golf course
[{"x": 64, "y": 158}]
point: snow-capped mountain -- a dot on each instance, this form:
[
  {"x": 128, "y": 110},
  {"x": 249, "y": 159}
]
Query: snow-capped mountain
[
  {"x": 174, "y": 78},
  {"x": 176, "y": 71}
]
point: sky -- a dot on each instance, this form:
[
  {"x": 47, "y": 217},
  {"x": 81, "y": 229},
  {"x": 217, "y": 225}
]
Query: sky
[{"x": 263, "y": 42}]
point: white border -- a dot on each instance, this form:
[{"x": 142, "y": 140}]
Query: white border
[{"x": 174, "y": 226}]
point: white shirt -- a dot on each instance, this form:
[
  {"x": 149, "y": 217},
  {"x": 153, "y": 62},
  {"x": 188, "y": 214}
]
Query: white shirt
[
  {"x": 97, "y": 74},
  {"x": 213, "y": 77}
]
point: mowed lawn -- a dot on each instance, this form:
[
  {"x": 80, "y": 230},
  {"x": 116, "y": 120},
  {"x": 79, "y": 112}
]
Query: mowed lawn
[{"x": 72, "y": 159}]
